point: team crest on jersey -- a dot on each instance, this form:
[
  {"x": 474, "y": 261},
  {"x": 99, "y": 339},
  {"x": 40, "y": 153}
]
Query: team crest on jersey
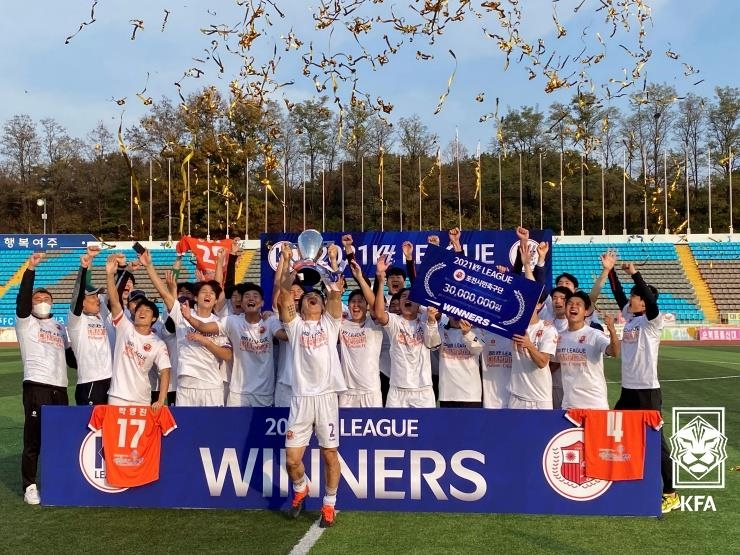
[
  {"x": 564, "y": 465},
  {"x": 289, "y": 434},
  {"x": 459, "y": 275},
  {"x": 582, "y": 339},
  {"x": 147, "y": 347},
  {"x": 262, "y": 330},
  {"x": 92, "y": 463}
]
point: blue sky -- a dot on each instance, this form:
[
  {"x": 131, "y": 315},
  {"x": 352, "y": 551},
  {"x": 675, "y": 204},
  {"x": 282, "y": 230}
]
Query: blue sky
[{"x": 77, "y": 83}]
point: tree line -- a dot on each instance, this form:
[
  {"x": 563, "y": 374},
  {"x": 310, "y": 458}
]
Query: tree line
[{"x": 574, "y": 167}]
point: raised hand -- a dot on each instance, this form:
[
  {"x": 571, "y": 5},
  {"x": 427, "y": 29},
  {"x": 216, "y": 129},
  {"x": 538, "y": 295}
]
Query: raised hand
[
  {"x": 629, "y": 268},
  {"x": 432, "y": 314},
  {"x": 382, "y": 265},
  {"x": 522, "y": 233},
  {"x": 112, "y": 262},
  {"x": 433, "y": 240},
  {"x": 146, "y": 258},
  {"x": 35, "y": 260},
  {"x": 609, "y": 259},
  {"x": 347, "y": 243},
  {"x": 465, "y": 327},
  {"x": 543, "y": 247},
  {"x": 408, "y": 250},
  {"x": 354, "y": 267},
  {"x": 454, "y": 235}
]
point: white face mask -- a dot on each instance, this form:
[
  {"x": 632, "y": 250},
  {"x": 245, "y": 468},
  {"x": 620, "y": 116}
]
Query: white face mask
[{"x": 41, "y": 310}]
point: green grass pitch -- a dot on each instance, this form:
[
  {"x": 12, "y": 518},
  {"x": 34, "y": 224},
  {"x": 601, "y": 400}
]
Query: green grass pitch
[{"x": 691, "y": 376}]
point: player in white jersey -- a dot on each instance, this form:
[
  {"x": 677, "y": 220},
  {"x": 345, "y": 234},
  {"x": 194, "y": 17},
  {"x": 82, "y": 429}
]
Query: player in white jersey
[
  {"x": 253, "y": 376},
  {"x": 200, "y": 381},
  {"x": 88, "y": 335},
  {"x": 411, "y": 340},
  {"x": 558, "y": 298},
  {"x": 317, "y": 380},
  {"x": 137, "y": 349},
  {"x": 639, "y": 351},
  {"x": 45, "y": 354},
  {"x": 459, "y": 370},
  {"x": 531, "y": 381},
  {"x": 360, "y": 340},
  {"x": 580, "y": 353},
  {"x": 496, "y": 364}
]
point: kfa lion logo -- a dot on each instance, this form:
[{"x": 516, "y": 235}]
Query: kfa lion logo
[{"x": 698, "y": 448}]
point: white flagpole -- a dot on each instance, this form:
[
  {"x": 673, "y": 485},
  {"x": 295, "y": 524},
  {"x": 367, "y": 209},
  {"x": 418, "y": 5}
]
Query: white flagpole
[
  {"x": 188, "y": 197},
  {"x": 169, "y": 199},
  {"x": 208, "y": 199},
  {"x": 246, "y": 201},
  {"x": 665, "y": 187},
  {"x": 342, "y": 164},
  {"x": 285, "y": 189},
  {"x": 541, "y": 203},
  {"x": 582, "y": 210},
  {"x": 304, "y": 193},
  {"x": 688, "y": 198},
  {"x": 644, "y": 192},
  {"x": 457, "y": 164},
  {"x": 521, "y": 192},
  {"x": 439, "y": 179},
  {"x": 419, "y": 192},
  {"x": 480, "y": 193},
  {"x": 227, "y": 198},
  {"x": 323, "y": 197},
  {"x": 266, "y": 184},
  {"x": 150, "y": 200},
  {"x": 362, "y": 194},
  {"x": 709, "y": 186},
  {"x": 562, "y": 227},
  {"x": 500, "y": 194},
  {"x": 730, "y": 184},
  {"x": 381, "y": 177},
  {"x": 603, "y": 197},
  {"x": 624, "y": 192},
  {"x": 400, "y": 194},
  {"x": 131, "y": 205}
]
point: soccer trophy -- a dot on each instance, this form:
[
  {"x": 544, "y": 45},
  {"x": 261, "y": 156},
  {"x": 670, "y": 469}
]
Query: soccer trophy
[{"x": 311, "y": 265}]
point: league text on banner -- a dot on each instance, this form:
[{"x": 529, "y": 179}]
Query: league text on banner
[{"x": 501, "y": 302}]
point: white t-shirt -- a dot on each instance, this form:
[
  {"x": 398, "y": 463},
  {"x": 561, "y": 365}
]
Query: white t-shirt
[
  {"x": 42, "y": 342},
  {"x": 195, "y": 363},
  {"x": 316, "y": 367},
  {"x": 528, "y": 381},
  {"x": 360, "y": 354},
  {"x": 496, "y": 359},
  {"x": 459, "y": 373},
  {"x": 133, "y": 357},
  {"x": 639, "y": 352},
  {"x": 170, "y": 339},
  {"x": 411, "y": 367},
  {"x": 88, "y": 336},
  {"x": 253, "y": 371},
  {"x": 581, "y": 357}
]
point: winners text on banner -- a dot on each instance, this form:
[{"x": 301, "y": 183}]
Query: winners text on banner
[{"x": 428, "y": 460}]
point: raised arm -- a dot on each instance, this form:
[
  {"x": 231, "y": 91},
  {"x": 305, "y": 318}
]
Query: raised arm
[
  {"x": 617, "y": 289},
  {"x": 23, "y": 303},
  {"x": 220, "y": 352},
  {"x": 285, "y": 302},
  {"x": 334, "y": 299},
  {"x": 111, "y": 267},
  {"x": 167, "y": 297},
  {"x": 613, "y": 349},
  {"x": 283, "y": 263},
  {"x": 367, "y": 292},
  {"x": 608, "y": 260},
  {"x": 432, "y": 340},
  {"x": 651, "y": 303},
  {"x": 381, "y": 316},
  {"x": 220, "y": 259},
  {"x": 408, "y": 256}
]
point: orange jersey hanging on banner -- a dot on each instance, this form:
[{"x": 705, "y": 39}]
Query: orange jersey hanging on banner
[
  {"x": 614, "y": 441},
  {"x": 132, "y": 438},
  {"x": 205, "y": 252}
]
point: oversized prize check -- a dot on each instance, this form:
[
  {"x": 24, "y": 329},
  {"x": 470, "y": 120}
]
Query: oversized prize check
[{"x": 462, "y": 287}]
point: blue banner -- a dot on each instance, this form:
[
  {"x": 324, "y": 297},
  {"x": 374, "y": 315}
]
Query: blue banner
[
  {"x": 45, "y": 242},
  {"x": 423, "y": 460},
  {"x": 486, "y": 246},
  {"x": 502, "y": 302}
]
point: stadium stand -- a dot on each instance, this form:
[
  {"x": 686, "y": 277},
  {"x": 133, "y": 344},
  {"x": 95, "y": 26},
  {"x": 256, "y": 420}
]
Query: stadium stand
[
  {"x": 719, "y": 264},
  {"x": 695, "y": 287}
]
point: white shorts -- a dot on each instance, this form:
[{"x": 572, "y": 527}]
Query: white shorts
[
  {"x": 422, "y": 398},
  {"x": 248, "y": 400},
  {"x": 318, "y": 413},
  {"x": 191, "y": 397},
  {"x": 283, "y": 395},
  {"x": 519, "y": 403},
  {"x": 361, "y": 399}
]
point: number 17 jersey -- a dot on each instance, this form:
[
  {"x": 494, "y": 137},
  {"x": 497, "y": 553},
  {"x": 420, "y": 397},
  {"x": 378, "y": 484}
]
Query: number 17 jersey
[{"x": 132, "y": 438}]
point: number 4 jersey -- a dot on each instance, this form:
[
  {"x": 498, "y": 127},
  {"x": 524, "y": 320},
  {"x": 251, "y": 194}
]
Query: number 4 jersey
[
  {"x": 614, "y": 441},
  {"x": 132, "y": 438}
]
